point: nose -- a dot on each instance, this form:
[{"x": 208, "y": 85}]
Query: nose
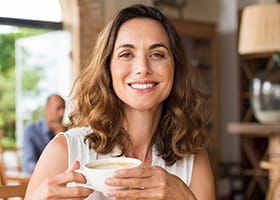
[{"x": 142, "y": 66}]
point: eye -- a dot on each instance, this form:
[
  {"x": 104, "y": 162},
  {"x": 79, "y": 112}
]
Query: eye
[
  {"x": 157, "y": 55},
  {"x": 125, "y": 54}
]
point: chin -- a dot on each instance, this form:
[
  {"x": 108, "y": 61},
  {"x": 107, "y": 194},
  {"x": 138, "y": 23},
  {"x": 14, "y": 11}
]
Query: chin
[{"x": 144, "y": 107}]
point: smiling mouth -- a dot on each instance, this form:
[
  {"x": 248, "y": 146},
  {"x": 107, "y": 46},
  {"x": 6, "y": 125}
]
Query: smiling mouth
[{"x": 142, "y": 86}]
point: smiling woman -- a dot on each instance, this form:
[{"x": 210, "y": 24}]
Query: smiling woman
[{"x": 136, "y": 98}]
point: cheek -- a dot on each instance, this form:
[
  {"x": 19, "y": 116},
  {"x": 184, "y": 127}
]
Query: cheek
[
  {"x": 119, "y": 70},
  {"x": 114, "y": 72},
  {"x": 118, "y": 75},
  {"x": 115, "y": 76},
  {"x": 114, "y": 81},
  {"x": 168, "y": 73}
]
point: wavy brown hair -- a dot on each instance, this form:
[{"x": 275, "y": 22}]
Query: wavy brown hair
[{"x": 95, "y": 104}]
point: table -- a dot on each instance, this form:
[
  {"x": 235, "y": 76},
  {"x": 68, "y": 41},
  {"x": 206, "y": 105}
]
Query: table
[{"x": 256, "y": 130}]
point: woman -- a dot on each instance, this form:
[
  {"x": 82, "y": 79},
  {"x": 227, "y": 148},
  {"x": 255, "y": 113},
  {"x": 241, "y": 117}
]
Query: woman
[{"x": 136, "y": 99}]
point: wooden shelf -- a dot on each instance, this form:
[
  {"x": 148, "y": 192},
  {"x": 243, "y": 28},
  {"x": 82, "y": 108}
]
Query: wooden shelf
[
  {"x": 253, "y": 129},
  {"x": 254, "y": 137},
  {"x": 249, "y": 131}
]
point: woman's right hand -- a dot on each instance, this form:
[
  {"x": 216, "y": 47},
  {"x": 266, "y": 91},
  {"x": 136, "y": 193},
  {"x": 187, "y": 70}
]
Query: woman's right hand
[
  {"x": 56, "y": 186},
  {"x": 52, "y": 175}
]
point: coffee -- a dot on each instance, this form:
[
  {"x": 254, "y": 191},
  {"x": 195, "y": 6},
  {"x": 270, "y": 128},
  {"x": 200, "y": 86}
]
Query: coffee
[{"x": 118, "y": 165}]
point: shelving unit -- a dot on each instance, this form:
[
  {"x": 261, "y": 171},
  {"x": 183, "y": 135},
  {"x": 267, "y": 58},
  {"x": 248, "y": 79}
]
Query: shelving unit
[
  {"x": 200, "y": 41},
  {"x": 270, "y": 154},
  {"x": 254, "y": 147}
]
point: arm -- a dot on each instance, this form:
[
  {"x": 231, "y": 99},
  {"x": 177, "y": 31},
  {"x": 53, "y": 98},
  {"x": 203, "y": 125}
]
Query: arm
[
  {"x": 202, "y": 184},
  {"x": 51, "y": 176}
]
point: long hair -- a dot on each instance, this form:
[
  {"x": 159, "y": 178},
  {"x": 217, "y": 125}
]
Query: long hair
[{"x": 95, "y": 104}]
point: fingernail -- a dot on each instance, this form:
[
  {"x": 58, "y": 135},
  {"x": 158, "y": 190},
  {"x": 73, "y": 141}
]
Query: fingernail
[
  {"x": 109, "y": 180},
  {"x": 109, "y": 194},
  {"x": 118, "y": 173}
]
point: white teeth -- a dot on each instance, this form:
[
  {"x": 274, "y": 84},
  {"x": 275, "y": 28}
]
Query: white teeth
[{"x": 142, "y": 86}]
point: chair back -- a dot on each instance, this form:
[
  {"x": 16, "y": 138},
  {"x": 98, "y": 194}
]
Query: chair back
[
  {"x": 8, "y": 191},
  {"x": 2, "y": 172},
  {"x": 11, "y": 158},
  {"x": 11, "y": 174}
]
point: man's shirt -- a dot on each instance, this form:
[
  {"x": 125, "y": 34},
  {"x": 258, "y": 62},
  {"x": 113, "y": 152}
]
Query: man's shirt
[{"x": 35, "y": 137}]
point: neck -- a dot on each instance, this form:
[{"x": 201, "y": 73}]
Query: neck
[
  {"x": 141, "y": 126},
  {"x": 143, "y": 153}
]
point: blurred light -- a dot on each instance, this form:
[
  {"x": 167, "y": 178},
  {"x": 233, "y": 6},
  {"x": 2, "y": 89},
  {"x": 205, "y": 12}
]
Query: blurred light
[{"x": 43, "y": 10}]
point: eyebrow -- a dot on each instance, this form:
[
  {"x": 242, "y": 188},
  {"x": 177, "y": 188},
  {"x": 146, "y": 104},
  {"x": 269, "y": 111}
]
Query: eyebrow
[
  {"x": 153, "y": 46},
  {"x": 125, "y": 46}
]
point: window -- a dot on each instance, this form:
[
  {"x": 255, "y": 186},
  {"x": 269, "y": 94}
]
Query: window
[
  {"x": 31, "y": 9},
  {"x": 44, "y": 56}
]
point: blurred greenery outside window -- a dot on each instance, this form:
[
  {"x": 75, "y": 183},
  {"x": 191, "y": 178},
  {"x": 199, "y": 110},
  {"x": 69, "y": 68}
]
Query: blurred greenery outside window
[
  {"x": 33, "y": 64},
  {"x": 42, "y": 17},
  {"x": 7, "y": 83}
]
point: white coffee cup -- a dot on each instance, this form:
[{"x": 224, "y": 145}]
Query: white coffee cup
[{"x": 96, "y": 172}]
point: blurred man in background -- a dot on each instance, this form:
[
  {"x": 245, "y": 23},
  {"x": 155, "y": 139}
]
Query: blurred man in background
[{"x": 38, "y": 134}]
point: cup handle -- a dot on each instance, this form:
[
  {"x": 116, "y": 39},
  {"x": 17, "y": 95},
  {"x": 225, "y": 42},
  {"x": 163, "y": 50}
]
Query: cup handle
[{"x": 75, "y": 184}]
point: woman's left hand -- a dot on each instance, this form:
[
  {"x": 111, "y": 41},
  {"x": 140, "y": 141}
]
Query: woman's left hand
[{"x": 151, "y": 182}]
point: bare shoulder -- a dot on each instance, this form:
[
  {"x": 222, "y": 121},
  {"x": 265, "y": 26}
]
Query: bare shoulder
[
  {"x": 203, "y": 177},
  {"x": 58, "y": 143},
  {"x": 57, "y": 152},
  {"x": 53, "y": 160}
]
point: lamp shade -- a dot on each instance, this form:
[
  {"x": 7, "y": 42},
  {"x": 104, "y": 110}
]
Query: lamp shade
[{"x": 260, "y": 29}]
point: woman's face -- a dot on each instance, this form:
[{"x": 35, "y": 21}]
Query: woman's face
[{"x": 142, "y": 66}]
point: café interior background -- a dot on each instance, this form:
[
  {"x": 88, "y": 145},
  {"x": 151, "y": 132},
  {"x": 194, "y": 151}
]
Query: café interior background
[{"x": 222, "y": 13}]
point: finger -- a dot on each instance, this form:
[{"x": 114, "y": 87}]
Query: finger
[
  {"x": 74, "y": 192},
  {"x": 69, "y": 193},
  {"x": 57, "y": 191},
  {"x": 75, "y": 165},
  {"x": 69, "y": 176},
  {"x": 134, "y": 183},
  {"x": 147, "y": 177},
  {"x": 140, "y": 171},
  {"x": 136, "y": 194}
]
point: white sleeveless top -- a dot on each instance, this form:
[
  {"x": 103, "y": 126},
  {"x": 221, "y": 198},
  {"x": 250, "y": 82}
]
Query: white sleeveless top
[{"x": 78, "y": 150}]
